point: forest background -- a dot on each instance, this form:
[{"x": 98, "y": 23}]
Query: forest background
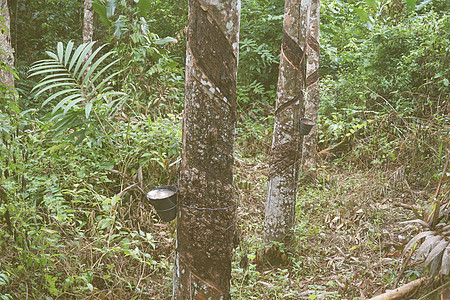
[{"x": 72, "y": 228}]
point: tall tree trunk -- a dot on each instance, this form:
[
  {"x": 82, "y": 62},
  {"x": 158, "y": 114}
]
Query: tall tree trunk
[
  {"x": 88, "y": 24},
  {"x": 312, "y": 97},
  {"x": 206, "y": 217},
  {"x": 286, "y": 144},
  {"x": 6, "y": 51}
]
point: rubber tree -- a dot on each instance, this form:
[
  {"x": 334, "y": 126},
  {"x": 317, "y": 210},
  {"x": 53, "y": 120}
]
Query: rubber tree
[
  {"x": 88, "y": 22},
  {"x": 312, "y": 95},
  {"x": 287, "y": 142},
  {"x": 6, "y": 50},
  {"x": 206, "y": 209}
]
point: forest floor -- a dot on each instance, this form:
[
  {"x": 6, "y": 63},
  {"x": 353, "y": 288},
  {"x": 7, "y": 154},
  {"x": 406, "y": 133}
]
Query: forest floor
[{"x": 348, "y": 238}]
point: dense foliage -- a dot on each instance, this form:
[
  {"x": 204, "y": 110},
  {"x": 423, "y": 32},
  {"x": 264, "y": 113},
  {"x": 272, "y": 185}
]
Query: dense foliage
[{"x": 74, "y": 171}]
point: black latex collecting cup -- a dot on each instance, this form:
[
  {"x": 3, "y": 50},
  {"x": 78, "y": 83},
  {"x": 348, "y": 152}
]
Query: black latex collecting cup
[
  {"x": 164, "y": 199},
  {"x": 306, "y": 125}
]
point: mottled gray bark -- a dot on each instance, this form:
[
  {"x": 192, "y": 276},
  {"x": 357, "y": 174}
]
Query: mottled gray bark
[
  {"x": 88, "y": 24},
  {"x": 6, "y": 50},
  {"x": 312, "y": 97},
  {"x": 286, "y": 144},
  {"x": 206, "y": 217}
]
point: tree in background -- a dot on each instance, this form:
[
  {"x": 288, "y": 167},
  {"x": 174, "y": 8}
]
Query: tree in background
[
  {"x": 312, "y": 95},
  {"x": 6, "y": 51},
  {"x": 88, "y": 23},
  {"x": 206, "y": 216},
  {"x": 287, "y": 142}
]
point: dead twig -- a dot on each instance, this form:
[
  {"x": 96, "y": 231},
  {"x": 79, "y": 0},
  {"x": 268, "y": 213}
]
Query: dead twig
[{"x": 414, "y": 208}]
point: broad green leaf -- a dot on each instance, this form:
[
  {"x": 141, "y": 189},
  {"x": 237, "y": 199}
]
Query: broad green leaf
[
  {"x": 114, "y": 200},
  {"x": 100, "y": 9},
  {"x": 49, "y": 71},
  {"x": 88, "y": 108},
  {"x": 81, "y": 58},
  {"x": 104, "y": 223},
  {"x": 410, "y": 5},
  {"x": 76, "y": 55},
  {"x": 60, "y": 49},
  {"x": 59, "y": 117},
  {"x": 57, "y": 75},
  {"x": 63, "y": 118},
  {"x": 72, "y": 104},
  {"x": 68, "y": 52},
  {"x": 74, "y": 108},
  {"x": 60, "y": 105},
  {"x": 144, "y": 7},
  {"x": 53, "y": 86},
  {"x": 88, "y": 62},
  {"x": 51, "y": 78},
  {"x": 52, "y": 55},
  {"x": 60, "y": 93},
  {"x": 93, "y": 68},
  {"x": 165, "y": 41},
  {"x": 43, "y": 62},
  {"x": 45, "y": 66}
]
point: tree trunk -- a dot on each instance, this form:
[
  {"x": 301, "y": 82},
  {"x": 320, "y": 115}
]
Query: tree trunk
[
  {"x": 287, "y": 142},
  {"x": 88, "y": 22},
  {"x": 88, "y": 25},
  {"x": 206, "y": 216},
  {"x": 6, "y": 51},
  {"x": 312, "y": 96}
]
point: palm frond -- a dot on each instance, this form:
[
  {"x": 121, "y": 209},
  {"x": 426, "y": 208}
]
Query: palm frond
[{"x": 71, "y": 77}]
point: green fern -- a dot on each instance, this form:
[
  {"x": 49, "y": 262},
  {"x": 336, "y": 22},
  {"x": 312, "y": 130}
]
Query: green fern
[{"x": 75, "y": 79}]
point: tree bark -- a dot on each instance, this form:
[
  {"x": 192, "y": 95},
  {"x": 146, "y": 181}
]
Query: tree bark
[
  {"x": 206, "y": 216},
  {"x": 88, "y": 25},
  {"x": 6, "y": 50},
  {"x": 287, "y": 142},
  {"x": 312, "y": 95}
]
